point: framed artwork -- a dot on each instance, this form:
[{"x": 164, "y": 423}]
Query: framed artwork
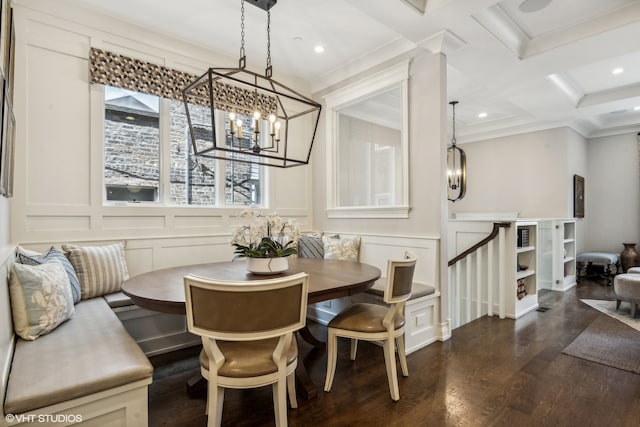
[
  {"x": 4, "y": 34},
  {"x": 2, "y": 149},
  {"x": 10, "y": 52},
  {"x": 578, "y": 196}
]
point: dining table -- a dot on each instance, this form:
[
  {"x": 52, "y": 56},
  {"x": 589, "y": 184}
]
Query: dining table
[{"x": 163, "y": 291}]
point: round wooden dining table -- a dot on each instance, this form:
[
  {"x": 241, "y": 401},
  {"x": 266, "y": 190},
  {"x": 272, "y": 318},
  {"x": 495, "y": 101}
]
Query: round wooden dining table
[{"x": 163, "y": 290}]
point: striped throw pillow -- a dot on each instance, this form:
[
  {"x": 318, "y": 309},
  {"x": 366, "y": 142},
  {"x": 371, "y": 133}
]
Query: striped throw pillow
[
  {"x": 100, "y": 269},
  {"x": 310, "y": 247}
]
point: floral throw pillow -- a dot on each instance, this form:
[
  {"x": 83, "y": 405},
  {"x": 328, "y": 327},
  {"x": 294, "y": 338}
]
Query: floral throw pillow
[
  {"x": 41, "y": 298},
  {"x": 25, "y": 258},
  {"x": 346, "y": 249}
]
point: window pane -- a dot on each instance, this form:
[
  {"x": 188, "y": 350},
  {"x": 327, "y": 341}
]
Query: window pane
[
  {"x": 242, "y": 180},
  {"x": 131, "y": 145},
  {"x": 192, "y": 179}
]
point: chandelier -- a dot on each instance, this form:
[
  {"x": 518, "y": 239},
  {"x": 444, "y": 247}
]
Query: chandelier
[
  {"x": 456, "y": 166},
  {"x": 251, "y": 118}
]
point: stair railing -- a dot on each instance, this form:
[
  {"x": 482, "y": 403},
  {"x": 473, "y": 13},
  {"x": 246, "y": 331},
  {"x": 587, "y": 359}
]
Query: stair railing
[{"x": 472, "y": 277}]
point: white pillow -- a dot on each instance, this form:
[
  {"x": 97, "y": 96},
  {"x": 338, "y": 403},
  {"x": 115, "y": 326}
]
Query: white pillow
[
  {"x": 41, "y": 298},
  {"x": 346, "y": 249}
]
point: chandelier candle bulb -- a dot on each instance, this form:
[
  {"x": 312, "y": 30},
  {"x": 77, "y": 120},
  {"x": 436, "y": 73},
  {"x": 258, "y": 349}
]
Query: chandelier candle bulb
[
  {"x": 272, "y": 119},
  {"x": 232, "y": 123},
  {"x": 256, "y": 123},
  {"x": 277, "y": 132},
  {"x": 239, "y": 124}
]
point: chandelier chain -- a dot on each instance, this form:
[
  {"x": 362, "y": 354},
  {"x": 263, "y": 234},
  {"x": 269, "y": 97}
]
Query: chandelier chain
[
  {"x": 268, "y": 71},
  {"x": 242, "y": 53},
  {"x": 453, "y": 139}
]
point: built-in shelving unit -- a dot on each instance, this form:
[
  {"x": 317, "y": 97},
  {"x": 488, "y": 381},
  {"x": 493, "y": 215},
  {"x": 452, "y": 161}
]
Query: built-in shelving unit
[
  {"x": 557, "y": 256},
  {"x": 525, "y": 282},
  {"x": 568, "y": 270}
]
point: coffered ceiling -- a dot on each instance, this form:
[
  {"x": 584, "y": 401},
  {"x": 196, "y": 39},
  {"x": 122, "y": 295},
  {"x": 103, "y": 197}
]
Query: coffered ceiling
[{"x": 526, "y": 64}]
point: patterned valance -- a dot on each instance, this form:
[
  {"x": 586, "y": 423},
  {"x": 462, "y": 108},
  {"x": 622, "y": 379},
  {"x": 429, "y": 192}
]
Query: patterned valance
[{"x": 112, "y": 69}]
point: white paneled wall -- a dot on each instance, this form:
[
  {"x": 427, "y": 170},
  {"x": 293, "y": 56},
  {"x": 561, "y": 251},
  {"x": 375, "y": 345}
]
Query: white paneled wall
[
  {"x": 423, "y": 315},
  {"x": 59, "y": 166}
]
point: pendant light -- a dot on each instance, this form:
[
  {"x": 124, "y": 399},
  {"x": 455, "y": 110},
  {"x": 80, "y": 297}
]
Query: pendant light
[
  {"x": 456, "y": 166},
  {"x": 253, "y": 118}
]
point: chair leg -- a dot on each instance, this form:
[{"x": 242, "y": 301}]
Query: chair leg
[
  {"x": 390, "y": 362},
  {"x": 280, "y": 402},
  {"x": 215, "y": 399},
  {"x": 618, "y": 304},
  {"x": 291, "y": 389},
  {"x": 354, "y": 348},
  {"x": 634, "y": 305},
  {"x": 332, "y": 355},
  {"x": 402, "y": 356}
]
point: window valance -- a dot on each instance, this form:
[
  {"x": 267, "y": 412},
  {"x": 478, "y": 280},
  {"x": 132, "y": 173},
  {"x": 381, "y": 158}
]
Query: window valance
[{"x": 121, "y": 71}]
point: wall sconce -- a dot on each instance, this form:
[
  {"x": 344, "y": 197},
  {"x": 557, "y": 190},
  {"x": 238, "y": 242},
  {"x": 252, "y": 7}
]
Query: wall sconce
[
  {"x": 265, "y": 122},
  {"x": 456, "y": 166}
]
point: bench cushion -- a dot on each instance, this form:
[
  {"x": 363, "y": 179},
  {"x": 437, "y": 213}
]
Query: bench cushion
[
  {"x": 89, "y": 353},
  {"x": 118, "y": 299},
  {"x": 417, "y": 290}
]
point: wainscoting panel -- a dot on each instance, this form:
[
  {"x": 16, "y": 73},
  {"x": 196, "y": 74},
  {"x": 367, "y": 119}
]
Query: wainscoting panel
[
  {"x": 7, "y": 337},
  {"x": 133, "y": 222}
]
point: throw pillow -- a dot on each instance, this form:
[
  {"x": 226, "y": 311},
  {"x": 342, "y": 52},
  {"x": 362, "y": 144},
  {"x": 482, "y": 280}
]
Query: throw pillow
[
  {"x": 310, "y": 247},
  {"x": 40, "y": 298},
  {"x": 24, "y": 258},
  {"x": 28, "y": 252},
  {"x": 100, "y": 269},
  {"x": 343, "y": 248}
]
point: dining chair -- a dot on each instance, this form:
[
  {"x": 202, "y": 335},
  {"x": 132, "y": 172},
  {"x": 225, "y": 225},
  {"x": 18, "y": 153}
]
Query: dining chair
[
  {"x": 247, "y": 336},
  {"x": 373, "y": 322}
]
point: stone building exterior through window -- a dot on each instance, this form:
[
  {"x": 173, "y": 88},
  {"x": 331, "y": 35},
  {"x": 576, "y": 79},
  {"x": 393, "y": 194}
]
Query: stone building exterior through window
[{"x": 132, "y": 156}]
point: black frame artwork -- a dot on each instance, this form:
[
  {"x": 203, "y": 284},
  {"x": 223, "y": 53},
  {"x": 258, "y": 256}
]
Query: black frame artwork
[{"x": 578, "y": 196}]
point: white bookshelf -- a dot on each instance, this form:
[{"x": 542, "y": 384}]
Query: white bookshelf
[{"x": 524, "y": 282}]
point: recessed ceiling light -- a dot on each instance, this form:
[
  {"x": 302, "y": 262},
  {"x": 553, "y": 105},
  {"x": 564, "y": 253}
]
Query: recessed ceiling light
[
  {"x": 617, "y": 70},
  {"x": 297, "y": 39},
  {"x": 319, "y": 49},
  {"x": 529, "y": 6},
  {"x": 636, "y": 108},
  {"x": 482, "y": 115}
]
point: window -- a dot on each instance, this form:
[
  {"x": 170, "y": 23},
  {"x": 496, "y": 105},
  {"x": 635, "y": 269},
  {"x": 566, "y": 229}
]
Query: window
[
  {"x": 134, "y": 134},
  {"x": 131, "y": 144}
]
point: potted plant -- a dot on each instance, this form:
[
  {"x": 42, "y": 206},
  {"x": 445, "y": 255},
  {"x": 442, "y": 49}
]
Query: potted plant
[{"x": 266, "y": 241}]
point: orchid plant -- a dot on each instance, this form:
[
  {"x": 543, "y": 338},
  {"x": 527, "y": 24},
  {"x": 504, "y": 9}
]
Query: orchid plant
[{"x": 268, "y": 236}]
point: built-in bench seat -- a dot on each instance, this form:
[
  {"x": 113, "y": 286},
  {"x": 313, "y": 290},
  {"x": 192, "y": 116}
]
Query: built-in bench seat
[
  {"x": 154, "y": 332},
  {"x": 420, "y": 312},
  {"x": 88, "y": 367}
]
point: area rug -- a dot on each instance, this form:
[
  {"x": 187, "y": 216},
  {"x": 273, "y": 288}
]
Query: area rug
[
  {"x": 609, "y": 308},
  {"x": 609, "y": 342}
]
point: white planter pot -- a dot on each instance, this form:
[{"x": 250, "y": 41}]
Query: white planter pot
[{"x": 267, "y": 265}]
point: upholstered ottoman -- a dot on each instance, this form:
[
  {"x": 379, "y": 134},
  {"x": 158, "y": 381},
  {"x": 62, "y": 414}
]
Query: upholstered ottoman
[
  {"x": 633, "y": 270},
  {"x": 627, "y": 288},
  {"x": 607, "y": 261}
]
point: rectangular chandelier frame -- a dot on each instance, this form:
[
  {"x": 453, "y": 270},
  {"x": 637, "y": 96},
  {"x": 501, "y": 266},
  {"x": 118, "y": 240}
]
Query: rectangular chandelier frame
[{"x": 282, "y": 135}]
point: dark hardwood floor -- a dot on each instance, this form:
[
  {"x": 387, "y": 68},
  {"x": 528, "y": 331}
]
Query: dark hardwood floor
[{"x": 491, "y": 372}]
